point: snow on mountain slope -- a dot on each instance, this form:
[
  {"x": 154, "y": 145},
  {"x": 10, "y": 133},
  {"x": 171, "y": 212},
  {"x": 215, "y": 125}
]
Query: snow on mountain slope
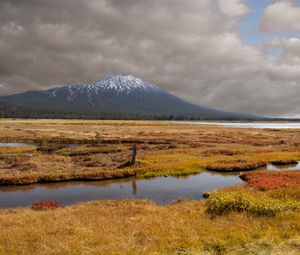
[{"x": 118, "y": 84}]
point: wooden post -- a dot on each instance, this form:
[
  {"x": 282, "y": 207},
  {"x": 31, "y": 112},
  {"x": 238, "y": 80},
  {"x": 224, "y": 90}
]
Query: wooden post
[
  {"x": 133, "y": 155},
  {"x": 130, "y": 162}
]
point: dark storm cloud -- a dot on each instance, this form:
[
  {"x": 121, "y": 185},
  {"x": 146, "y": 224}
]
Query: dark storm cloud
[{"x": 190, "y": 48}]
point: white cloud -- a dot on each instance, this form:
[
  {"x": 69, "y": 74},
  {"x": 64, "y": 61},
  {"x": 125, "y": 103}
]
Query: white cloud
[
  {"x": 233, "y": 8},
  {"x": 281, "y": 16},
  {"x": 188, "y": 47},
  {"x": 291, "y": 51}
]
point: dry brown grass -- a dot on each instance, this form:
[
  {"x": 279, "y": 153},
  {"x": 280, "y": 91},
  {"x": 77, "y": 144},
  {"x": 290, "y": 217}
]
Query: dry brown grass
[
  {"x": 163, "y": 148},
  {"x": 142, "y": 227}
]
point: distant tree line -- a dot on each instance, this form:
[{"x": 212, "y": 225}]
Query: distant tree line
[
  {"x": 100, "y": 116},
  {"x": 13, "y": 111}
]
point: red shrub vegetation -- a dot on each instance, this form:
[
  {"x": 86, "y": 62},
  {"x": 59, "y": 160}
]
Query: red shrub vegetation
[
  {"x": 271, "y": 180},
  {"x": 45, "y": 205}
]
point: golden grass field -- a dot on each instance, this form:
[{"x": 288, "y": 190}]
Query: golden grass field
[
  {"x": 142, "y": 227},
  {"x": 257, "y": 218}
]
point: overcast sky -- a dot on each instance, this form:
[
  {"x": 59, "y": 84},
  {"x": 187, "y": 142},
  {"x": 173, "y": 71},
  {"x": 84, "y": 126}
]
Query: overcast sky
[{"x": 235, "y": 55}]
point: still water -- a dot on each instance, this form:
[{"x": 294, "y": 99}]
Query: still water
[
  {"x": 161, "y": 190},
  {"x": 71, "y": 145},
  {"x": 291, "y": 167},
  {"x": 15, "y": 144},
  {"x": 272, "y": 125}
]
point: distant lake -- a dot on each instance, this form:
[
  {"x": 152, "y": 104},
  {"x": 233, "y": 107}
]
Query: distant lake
[{"x": 272, "y": 125}]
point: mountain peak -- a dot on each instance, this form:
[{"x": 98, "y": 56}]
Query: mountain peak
[{"x": 119, "y": 83}]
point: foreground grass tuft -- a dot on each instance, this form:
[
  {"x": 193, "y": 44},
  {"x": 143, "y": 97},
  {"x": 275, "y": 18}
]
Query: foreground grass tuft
[{"x": 225, "y": 201}]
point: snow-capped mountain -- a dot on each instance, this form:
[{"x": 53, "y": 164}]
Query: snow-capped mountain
[
  {"x": 117, "y": 94},
  {"x": 119, "y": 85}
]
